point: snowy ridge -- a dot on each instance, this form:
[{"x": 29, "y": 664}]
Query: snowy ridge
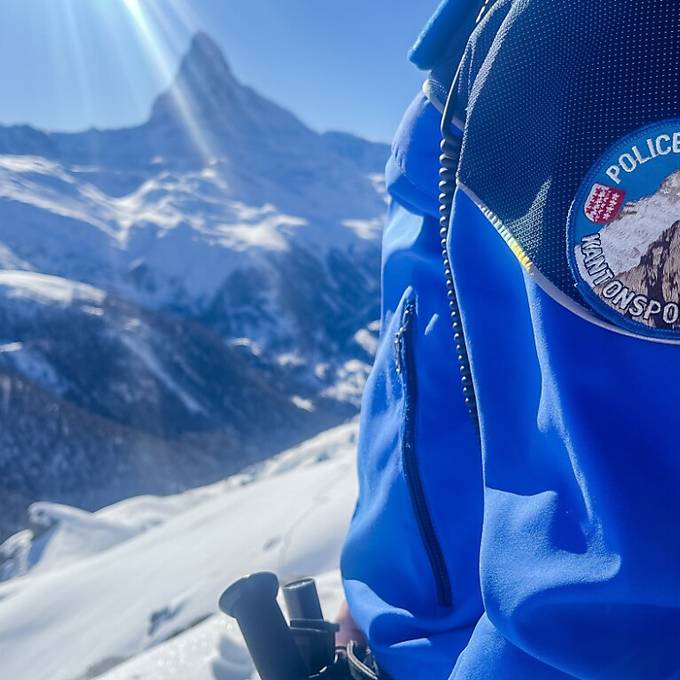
[
  {"x": 101, "y": 588},
  {"x": 171, "y": 244},
  {"x": 40, "y": 288}
]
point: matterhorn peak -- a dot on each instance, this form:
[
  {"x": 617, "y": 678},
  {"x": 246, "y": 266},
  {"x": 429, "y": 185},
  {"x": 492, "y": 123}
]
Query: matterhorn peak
[
  {"x": 205, "y": 56},
  {"x": 204, "y": 80}
]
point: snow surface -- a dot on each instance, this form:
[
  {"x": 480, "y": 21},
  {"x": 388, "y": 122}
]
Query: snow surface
[
  {"x": 50, "y": 289},
  {"x": 213, "y": 650},
  {"x": 138, "y": 582}
]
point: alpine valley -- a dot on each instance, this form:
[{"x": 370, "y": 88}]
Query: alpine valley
[{"x": 179, "y": 299}]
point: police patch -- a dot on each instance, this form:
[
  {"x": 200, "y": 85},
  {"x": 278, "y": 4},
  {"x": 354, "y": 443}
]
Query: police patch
[{"x": 623, "y": 234}]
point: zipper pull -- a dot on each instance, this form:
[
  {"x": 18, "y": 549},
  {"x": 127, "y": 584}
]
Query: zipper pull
[{"x": 399, "y": 337}]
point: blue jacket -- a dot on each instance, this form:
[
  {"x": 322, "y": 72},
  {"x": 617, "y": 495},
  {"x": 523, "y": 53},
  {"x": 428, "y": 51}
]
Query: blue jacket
[{"x": 541, "y": 538}]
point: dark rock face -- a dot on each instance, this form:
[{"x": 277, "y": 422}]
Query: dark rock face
[
  {"x": 233, "y": 255},
  {"x": 657, "y": 274}
]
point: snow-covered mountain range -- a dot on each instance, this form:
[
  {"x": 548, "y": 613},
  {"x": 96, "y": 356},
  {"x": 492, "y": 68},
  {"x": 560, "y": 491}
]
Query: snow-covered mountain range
[{"x": 180, "y": 298}]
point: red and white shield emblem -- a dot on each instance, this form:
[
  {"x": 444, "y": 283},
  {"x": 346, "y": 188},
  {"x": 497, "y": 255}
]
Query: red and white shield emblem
[{"x": 604, "y": 203}]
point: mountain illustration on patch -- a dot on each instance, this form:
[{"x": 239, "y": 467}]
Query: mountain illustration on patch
[
  {"x": 641, "y": 247},
  {"x": 641, "y": 223},
  {"x": 656, "y": 276}
]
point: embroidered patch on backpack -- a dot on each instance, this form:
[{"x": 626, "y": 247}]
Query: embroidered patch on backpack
[{"x": 623, "y": 236}]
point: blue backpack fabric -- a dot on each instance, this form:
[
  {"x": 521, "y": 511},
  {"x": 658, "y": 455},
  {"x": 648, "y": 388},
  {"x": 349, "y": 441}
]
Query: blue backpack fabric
[
  {"x": 545, "y": 545},
  {"x": 552, "y": 96}
]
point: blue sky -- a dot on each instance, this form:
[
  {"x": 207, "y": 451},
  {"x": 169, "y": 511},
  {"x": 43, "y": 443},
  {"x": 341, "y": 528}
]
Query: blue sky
[{"x": 338, "y": 64}]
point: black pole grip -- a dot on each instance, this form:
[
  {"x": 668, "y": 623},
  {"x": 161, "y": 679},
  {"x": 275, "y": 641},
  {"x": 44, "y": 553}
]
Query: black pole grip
[
  {"x": 302, "y": 600},
  {"x": 252, "y": 602}
]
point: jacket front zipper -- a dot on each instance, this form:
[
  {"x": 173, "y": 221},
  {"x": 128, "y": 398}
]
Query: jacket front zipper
[{"x": 405, "y": 359}]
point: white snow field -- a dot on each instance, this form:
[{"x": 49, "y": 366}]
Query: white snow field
[{"x": 130, "y": 592}]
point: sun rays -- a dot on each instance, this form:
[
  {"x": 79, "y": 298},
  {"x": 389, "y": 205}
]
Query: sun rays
[{"x": 162, "y": 29}]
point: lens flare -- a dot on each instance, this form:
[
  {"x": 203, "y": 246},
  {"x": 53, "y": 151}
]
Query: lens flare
[
  {"x": 133, "y": 6},
  {"x": 156, "y": 27}
]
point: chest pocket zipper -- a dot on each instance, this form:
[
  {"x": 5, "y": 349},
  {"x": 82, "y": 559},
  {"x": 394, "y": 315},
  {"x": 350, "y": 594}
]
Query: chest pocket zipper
[{"x": 406, "y": 369}]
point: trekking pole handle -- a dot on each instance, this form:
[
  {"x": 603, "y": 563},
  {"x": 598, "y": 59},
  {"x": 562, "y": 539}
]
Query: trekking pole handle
[{"x": 252, "y": 602}]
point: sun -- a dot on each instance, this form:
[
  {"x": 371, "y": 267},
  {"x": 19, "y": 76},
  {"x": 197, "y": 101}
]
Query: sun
[{"x": 133, "y": 6}]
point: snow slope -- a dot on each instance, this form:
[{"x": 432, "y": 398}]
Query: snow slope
[
  {"x": 99, "y": 589},
  {"x": 213, "y": 650}
]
